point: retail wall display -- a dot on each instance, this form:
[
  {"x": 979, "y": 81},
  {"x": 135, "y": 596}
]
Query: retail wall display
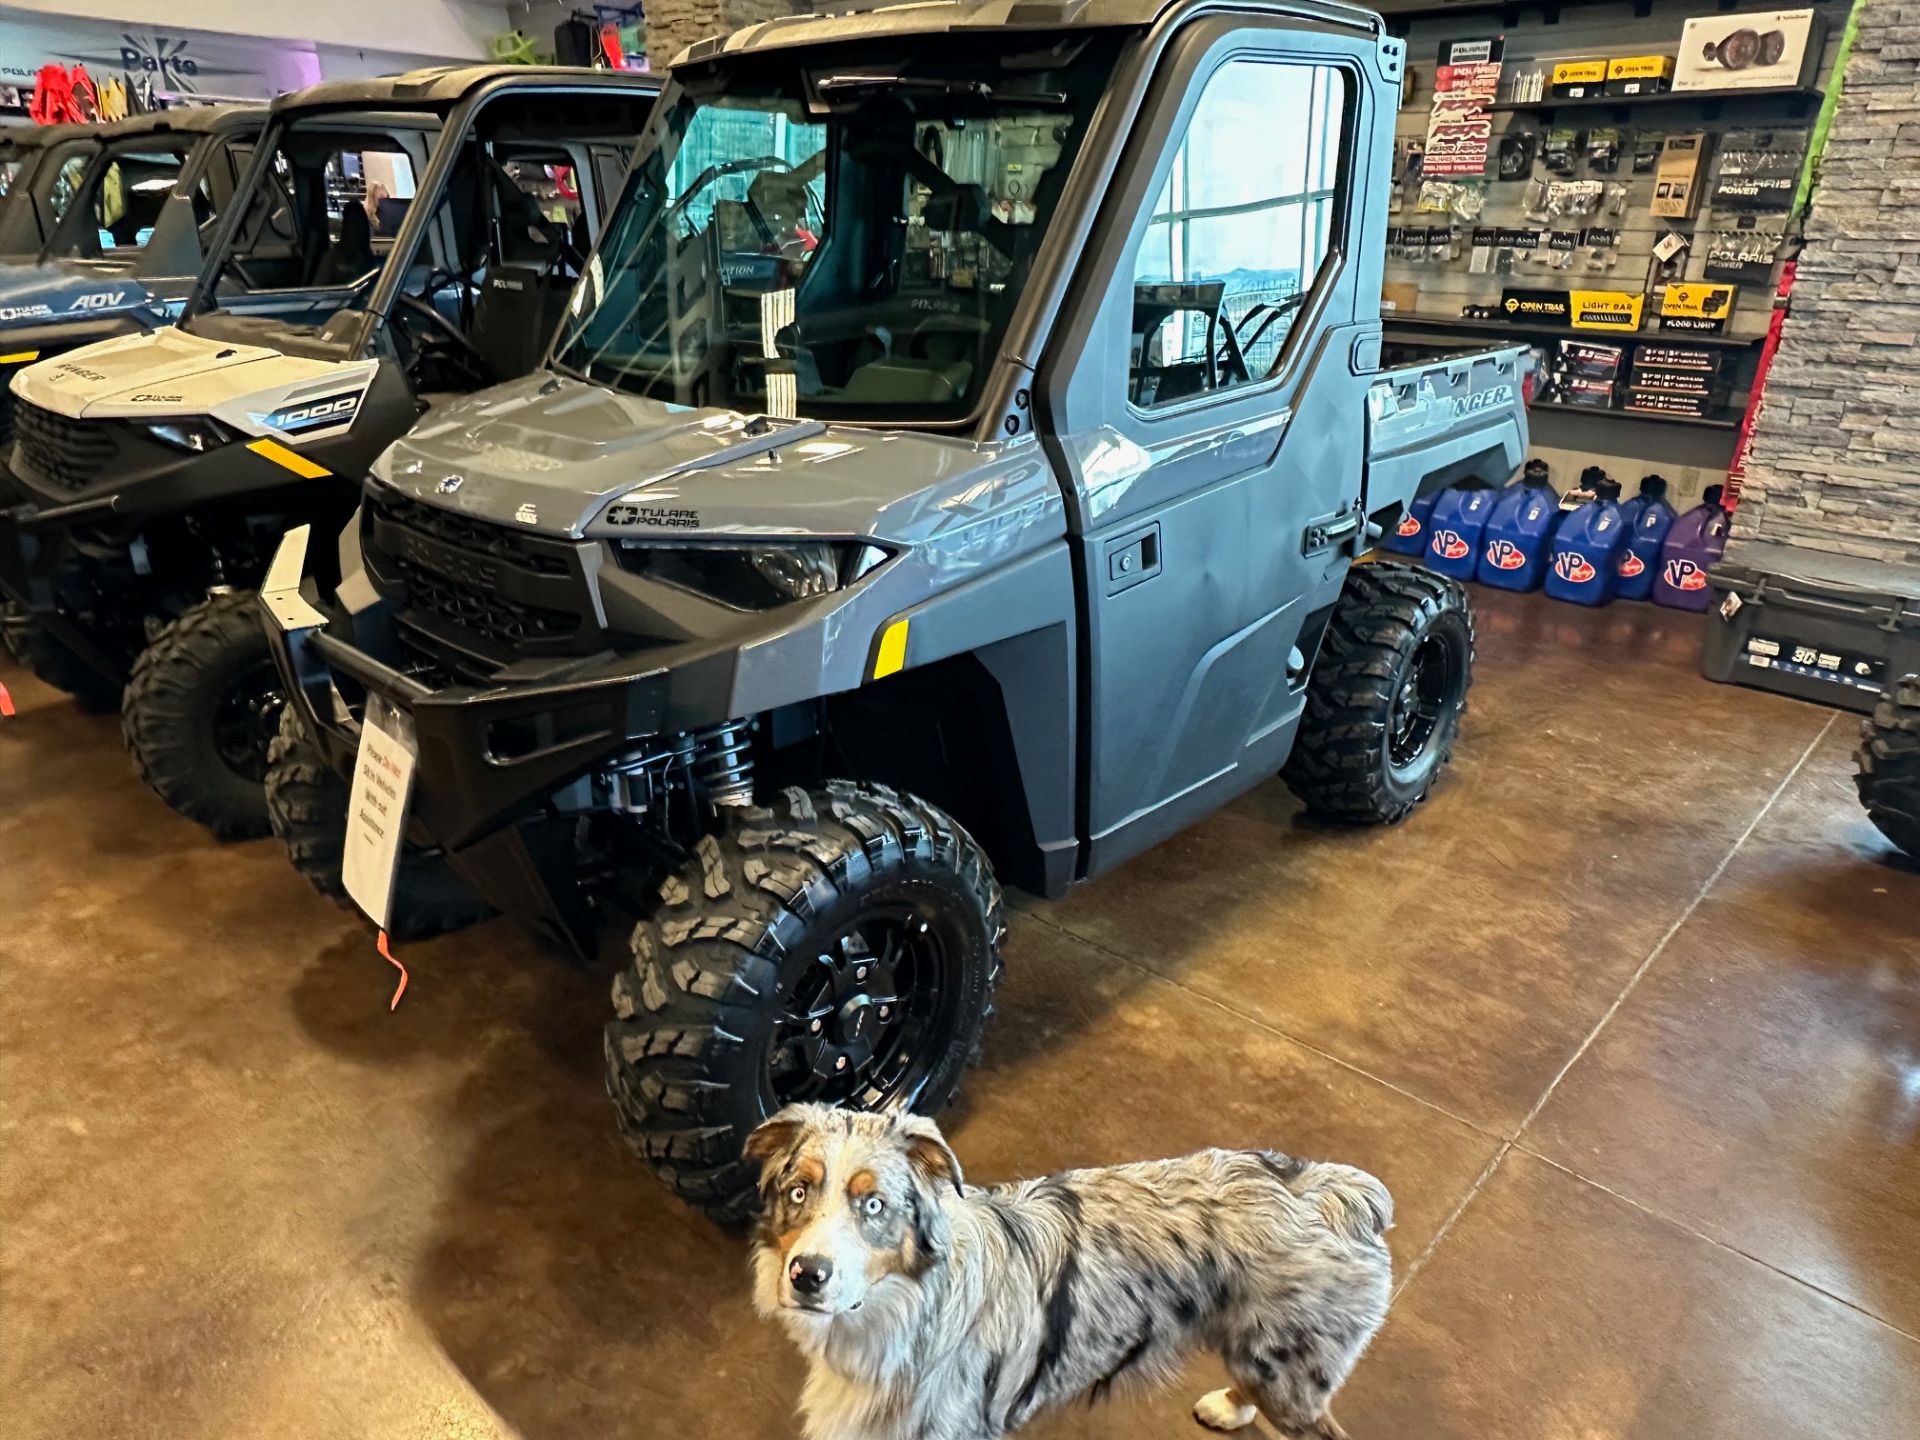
[
  {"x": 1745, "y": 253},
  {"x": 1749, "y": 50},
  {"x": 1605, "y": 309}
]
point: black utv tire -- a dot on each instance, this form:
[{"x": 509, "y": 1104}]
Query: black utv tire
[
  {"x": 1386, "y": 697},
  {"x": 54, "y": 663},
  {"x": 200, "y": 711},
  {"x": 745, "y": 988},
  {"x": 307, "y": 804},
  {"x": 1889, "y": 761}
]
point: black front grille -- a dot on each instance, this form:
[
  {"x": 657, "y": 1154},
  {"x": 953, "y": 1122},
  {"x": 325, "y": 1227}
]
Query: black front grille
[
  {"x": 483, "y": 611},
  {"x": 67, "y": 453},
  {"x": 474, "y": 536},
  {"x": 473, "y": 595}
]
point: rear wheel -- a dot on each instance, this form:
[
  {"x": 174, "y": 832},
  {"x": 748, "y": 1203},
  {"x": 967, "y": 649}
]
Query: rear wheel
[
  {"x": 1889, "y": 761},
  {"x": 841, "y": 946},
  {"x": 307, "y": 805},
  {"x": 200, "y": 710},
  {"x": 1386, "y": 697}
]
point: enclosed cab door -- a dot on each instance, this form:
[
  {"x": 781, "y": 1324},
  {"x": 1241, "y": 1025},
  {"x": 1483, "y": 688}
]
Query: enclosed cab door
[{"x": 1209, "y": 417}]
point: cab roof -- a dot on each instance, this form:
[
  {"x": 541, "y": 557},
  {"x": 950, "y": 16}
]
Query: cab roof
[
  {"x": 441, "y": 87},
  {"x": 862, "y": 21},
  {"x": 183, "y": 120}
]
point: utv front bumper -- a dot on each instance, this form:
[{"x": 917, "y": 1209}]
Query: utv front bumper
[{"x": 492, "y": 757}]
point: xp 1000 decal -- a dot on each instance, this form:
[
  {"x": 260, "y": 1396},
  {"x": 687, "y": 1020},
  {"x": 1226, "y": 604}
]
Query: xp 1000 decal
[{"x": 308, "y": 419}]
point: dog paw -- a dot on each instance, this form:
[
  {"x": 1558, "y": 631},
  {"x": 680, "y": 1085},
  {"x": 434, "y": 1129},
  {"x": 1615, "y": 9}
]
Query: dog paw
[{"x": 1222, "y": 1410}]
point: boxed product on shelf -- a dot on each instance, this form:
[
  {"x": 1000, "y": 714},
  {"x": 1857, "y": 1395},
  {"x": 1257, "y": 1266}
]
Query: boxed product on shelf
[
  {"x": 1577, "y": 79},
  {"x": 1584, "y": 373},
  {"x": 1700, "y": 308},
  {"x": 1647, "y": 402},
  {"x": 1749, "y": 50},
  {"x": 1693, "y": 358},
  {"x": 1676, "y": 179},
  {"x": 1639, "y": 74}
]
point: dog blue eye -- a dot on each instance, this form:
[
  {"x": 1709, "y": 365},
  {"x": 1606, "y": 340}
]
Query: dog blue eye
[
  {"x": 873, "y": 1205},
  {"x": 798, "y": 1194}
]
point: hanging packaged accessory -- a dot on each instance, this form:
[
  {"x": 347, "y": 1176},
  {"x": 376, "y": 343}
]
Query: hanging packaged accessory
[{"x": 1516, "y": 154}]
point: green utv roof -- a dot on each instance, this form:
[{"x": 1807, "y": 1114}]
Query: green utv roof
[
  {"x": 441, "y": 87},
  {"x": 938, "y": 17}
]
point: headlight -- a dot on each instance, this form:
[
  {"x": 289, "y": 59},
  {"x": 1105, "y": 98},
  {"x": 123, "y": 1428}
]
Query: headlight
[
  {"x": 199, "y": 436},
  {"x": 755, "y": 577}
]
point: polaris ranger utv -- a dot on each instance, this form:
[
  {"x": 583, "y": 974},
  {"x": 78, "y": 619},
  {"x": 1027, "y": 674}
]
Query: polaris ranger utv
[
  {"x": 108, "y": 235},
  {"x": 158, "y": 469},
  {"x": 951, "y": 469}
]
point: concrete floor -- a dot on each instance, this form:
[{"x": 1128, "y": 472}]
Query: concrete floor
[{"x": 1628, "y": 1017}]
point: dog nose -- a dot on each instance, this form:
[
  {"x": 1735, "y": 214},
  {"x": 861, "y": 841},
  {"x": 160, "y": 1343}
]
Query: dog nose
[{"x": 810, "y": 1273}]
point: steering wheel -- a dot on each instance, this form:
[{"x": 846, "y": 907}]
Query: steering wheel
[{"x": 470, "y": 354}]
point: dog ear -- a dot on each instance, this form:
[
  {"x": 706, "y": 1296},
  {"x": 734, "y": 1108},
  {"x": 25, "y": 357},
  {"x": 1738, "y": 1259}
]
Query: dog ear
[
  {"x": 928, "y": 1151},
  {"x": 776, "y": 1136}
]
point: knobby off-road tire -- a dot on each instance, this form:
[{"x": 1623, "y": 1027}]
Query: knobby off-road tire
[
  {"x": 1889, "y": 761},
  {"x": 1386, "y": 697},
  {"x": 307, "y": 804},
  {"x": 200, "y": 711},
  {"x": 776, "y": 923}
]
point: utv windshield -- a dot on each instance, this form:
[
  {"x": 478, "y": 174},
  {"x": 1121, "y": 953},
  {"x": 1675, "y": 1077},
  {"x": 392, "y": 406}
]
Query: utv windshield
[{"x": 838, "y": 241}]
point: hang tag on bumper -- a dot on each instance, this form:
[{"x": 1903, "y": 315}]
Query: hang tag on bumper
[{"x": 377, "y": 808}]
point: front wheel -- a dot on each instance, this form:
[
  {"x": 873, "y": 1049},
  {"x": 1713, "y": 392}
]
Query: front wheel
[
  {"x": 200, "y": 710},
  {"x": 1889, "y": 761},
  {"x": 307, "y": 804},
  {"x": 1386, "y": 697},
  {"x": 841, "y": 946}
]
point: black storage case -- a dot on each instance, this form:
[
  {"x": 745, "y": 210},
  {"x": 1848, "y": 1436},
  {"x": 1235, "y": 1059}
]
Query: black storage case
[{"x": 1828, "y": 628}]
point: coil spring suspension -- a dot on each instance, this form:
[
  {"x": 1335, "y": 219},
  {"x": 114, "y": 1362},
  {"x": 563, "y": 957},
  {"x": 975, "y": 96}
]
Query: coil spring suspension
[{"x": 723, "y": 763}]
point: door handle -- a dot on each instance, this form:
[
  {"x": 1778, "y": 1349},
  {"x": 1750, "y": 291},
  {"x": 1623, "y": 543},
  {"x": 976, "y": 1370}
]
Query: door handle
[{"x": 1132, "y": 558}]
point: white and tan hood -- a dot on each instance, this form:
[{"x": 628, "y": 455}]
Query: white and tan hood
[{"x": 172, "y": 374}]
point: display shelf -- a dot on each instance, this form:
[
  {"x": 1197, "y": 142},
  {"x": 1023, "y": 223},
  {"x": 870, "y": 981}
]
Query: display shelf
[
  {"x": 1597, "y": 413},
  {"x": 1567, "y": 332},
  {"x": 1801, "y": 101}
]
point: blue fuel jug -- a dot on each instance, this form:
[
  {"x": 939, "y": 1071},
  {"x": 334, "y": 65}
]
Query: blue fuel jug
[
  {"x": 1647, "y": 518},
  {"x": 1453, "y": 532},
  {"x": 1586, "y": 549},
  {"x": 1513, "y": 547},
  {"x": 1410, "y": 538}
]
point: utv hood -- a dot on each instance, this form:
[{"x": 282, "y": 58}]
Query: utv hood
[
  {"x": 565, "y": 458},
  {"x": 168, "y": 372},
  {"x": 54, "y": 290}
]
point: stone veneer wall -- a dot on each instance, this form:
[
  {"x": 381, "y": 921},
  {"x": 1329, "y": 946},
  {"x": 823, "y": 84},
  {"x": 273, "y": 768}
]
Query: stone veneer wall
[
  {"x": 672, "y": 25},
  {"x": 1836, "y": 455}
]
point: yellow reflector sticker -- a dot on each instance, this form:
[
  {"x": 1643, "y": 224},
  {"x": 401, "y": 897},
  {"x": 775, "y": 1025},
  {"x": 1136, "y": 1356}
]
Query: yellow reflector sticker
[
  {"x": 289, "y": 459},
  {"x": 893, "y": 650},
  {"x": 19, "y": 357}
]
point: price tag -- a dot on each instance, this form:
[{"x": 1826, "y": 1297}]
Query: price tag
[{"x": 377, "y": 808}]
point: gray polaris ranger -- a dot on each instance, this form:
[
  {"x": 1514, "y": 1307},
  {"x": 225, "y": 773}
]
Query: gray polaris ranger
[{"x": 951, "y": 470}]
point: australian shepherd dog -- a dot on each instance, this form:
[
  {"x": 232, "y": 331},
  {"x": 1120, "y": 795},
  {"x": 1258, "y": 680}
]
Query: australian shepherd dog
[{"x": 928, "y": 1310}]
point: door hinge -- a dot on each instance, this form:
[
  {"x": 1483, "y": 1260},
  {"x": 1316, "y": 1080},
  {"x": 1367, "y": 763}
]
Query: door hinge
[{"x": 1330, "y": 530}]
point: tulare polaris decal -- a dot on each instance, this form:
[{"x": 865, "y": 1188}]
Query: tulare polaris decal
[
  {"x": 1573, "y": 567},
  {"x": 1448, "y": 545},
  {"x": 1505, "y": 555},
  {"x": 322, "y": 414},
  {"x": 1631, "y": 565},
  {"x": 1686, "y": 575},
  {"x": 1410, "y": 526}
]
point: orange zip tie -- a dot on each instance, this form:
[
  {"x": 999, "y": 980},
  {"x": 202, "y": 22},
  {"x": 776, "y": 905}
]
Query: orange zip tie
[
  {"x": 401, "y": 988},
  {"x": 6, "y": 702}
]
